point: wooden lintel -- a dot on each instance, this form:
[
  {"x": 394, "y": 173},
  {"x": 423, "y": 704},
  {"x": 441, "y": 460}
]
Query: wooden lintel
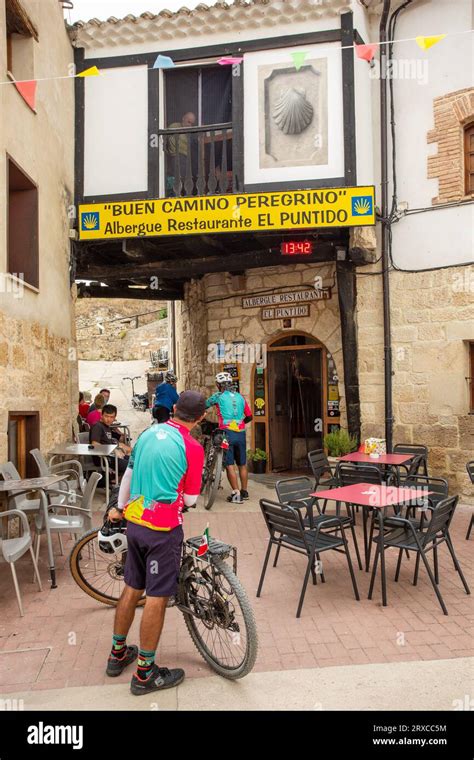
[
  {"x": 146, "y": 294},
  {"x": 189, "y": 268}
]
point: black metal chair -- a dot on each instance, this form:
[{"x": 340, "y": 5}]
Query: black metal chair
[
  {"x": 407, "y": 536},
  {"x": 286, "y": 528},
  {"x": 349, "y": 474},
  {"x": 319, "y": 464},
  {"x": 439, "y": 491},
  {"x": 297, "y": 491},
  {"x": 415, "y": 449}
]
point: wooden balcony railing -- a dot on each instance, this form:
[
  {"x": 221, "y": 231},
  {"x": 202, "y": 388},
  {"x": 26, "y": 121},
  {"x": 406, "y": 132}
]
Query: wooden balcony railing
[{"x": 198, "y": 160}]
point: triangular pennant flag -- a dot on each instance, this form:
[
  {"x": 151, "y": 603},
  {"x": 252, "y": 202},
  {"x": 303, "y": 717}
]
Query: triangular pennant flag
[
  {"x": 229, "y": 60},
  {"x": 298, "y": 58},
  {"x": 204, "y": 546},
  {"x": 366, "y": 52},
  {"x": 164, "y": 62},
  {"x": 92, "y": 72},
  {"x": 426, "y": 42},
  {"x": 27, "y": 91}
]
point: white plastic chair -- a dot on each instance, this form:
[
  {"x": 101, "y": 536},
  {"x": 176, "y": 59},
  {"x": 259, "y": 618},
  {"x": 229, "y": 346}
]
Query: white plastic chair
[
  {"x": 14, "y": 548},
  {"x": 76, "y": 524},
  {"x": 71, "y": 467}
]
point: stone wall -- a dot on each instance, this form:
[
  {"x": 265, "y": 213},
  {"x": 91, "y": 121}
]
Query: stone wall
[
  {"x": 38, "y": 368},
  {"x": 432, "y": 324},
  {"x": 106, "y": 329},
  {"x": 212, "y": 311},
  {"x": 35, "y": 371},
  {"x": 191, "y": 337}
]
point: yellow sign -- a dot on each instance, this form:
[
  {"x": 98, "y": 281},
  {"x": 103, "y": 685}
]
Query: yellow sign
[{"x": 291, "y": 210}]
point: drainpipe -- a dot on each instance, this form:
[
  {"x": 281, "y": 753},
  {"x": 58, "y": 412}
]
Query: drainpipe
[{"x": 385, "y": 228}]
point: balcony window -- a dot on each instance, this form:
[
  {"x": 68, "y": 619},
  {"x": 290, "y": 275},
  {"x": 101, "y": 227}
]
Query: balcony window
[{"x": 197, "y": 138}]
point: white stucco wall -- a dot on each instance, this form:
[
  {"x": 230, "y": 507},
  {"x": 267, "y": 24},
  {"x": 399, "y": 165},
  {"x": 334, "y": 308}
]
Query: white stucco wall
[
  {"x": 116, "y": 131},
  {"x": 442, "y": 237}
]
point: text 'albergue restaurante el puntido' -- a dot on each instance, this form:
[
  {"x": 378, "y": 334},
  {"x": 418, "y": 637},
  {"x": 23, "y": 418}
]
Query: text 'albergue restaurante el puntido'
[{"x": 235, "y": 205}]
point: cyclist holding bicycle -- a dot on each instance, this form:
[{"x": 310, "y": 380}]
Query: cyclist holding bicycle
[
  {"x": 233, "y": 412},
  {"x": 163, "y": 478}
]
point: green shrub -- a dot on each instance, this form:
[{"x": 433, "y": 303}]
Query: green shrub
[
  {"x": 257, "y": 456},
  {"x": 339, "y": 442}
]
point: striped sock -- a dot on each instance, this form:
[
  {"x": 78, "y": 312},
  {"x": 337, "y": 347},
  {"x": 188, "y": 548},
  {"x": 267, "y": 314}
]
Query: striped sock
[
  {"x": 119, "y": 647},
  {"x": 145, "y": 662}
]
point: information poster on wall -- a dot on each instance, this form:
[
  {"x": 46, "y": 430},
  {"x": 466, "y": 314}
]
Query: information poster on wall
[{"x": 259, "y": 399}]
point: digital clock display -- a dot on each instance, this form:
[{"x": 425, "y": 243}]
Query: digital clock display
[{"x": 296, "y": 247}]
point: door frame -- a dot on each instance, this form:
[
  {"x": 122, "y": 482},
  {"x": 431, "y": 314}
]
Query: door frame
[{"x": 271, "y": 347}]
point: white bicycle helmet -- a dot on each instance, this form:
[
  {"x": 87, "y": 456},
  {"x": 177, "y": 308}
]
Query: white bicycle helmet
[
  {"x": 224, "y": 377},
  {"x": 113, "y": 542}
]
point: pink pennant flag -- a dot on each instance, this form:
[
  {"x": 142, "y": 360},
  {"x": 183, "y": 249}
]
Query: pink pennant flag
[
  {"x": 366, "y": 52},
  {"x": 27, "y": 91},
  {"x": 229, "y": 60}
]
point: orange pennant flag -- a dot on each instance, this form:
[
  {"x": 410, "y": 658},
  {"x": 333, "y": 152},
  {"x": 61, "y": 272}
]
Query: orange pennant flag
[
  {"x": 426, "y": 42},
  {"x": 366, "y": 52},
  {"x": 92, "y": 72},
  {"x": 27, "y": 91}
]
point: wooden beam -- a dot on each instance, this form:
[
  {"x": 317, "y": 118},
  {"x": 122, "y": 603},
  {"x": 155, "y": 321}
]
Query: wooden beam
[
  {"x": 146, "y": 294},
  {"x": 346, "y": 290},
  {"x": 189, "y": 268}
]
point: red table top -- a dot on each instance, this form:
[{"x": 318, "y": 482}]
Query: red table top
[
  {"x": 358, "y": 456},
  {"x": 372, "y": 495}
]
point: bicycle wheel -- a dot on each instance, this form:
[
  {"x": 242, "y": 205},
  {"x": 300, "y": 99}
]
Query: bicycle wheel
[
  {"x": 99, "y": 575},
  {"x": 222, "y": 627},
  {"x": 213, "y": 479}
]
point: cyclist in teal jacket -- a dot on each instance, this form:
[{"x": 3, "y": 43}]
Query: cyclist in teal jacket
[{"x": 233, "y": 412}]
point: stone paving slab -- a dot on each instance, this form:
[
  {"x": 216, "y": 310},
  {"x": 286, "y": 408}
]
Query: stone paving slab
[{"x": 428, "y": 685}]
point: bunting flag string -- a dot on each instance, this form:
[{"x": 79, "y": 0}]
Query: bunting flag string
[
  {"x": 230, "y": 60},
  {"x": 299, "y": 58},
  {"x": 92, "y": 72},
  {"x": 164, "y": 62},
  {"x": 426, "y": 42},
  {"x": 364, "y": 51},
  {"x": 27, "y": 91}
]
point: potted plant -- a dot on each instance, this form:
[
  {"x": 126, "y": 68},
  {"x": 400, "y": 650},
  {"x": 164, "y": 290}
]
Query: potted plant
[
  {"x": 258, "y": 459},
  {"x": 338, "y": 443}
]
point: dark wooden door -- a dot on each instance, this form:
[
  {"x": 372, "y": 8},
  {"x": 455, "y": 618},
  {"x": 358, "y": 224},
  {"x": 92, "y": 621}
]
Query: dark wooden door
[{"x": 279, "y": 388}]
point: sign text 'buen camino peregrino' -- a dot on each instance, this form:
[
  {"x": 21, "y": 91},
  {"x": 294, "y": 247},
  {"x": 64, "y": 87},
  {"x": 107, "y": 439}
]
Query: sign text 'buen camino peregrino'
[{"x": 296, "y": 209}]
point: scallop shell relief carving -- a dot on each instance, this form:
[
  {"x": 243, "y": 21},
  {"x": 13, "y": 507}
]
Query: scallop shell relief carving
[{"x": 292, "y": 113}]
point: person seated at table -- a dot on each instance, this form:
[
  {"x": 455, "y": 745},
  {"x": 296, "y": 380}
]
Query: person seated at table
[
  {"x": 106, "y": 394},
  {"x": 83, "y": 406},
  {"x": 102, "y": 434},
  {"x": 95, "y": 411}
]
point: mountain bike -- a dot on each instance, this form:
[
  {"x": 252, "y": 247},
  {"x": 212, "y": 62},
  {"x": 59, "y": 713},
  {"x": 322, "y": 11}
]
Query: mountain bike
[
  {"x": 215, "y": 445},
  {"x": 216, "y": 610}
]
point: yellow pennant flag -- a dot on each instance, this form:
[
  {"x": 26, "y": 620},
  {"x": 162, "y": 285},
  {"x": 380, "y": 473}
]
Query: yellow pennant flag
[
  {"x": 92, "y": 72},
  {"x": 426, "y": 42}
]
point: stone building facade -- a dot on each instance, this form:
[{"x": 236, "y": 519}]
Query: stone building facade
[{"x": 38, "y": 363}]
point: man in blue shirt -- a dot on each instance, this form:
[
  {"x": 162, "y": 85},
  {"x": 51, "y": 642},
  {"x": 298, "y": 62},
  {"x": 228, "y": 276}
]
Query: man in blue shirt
[{"x": 165, "y": 397}]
